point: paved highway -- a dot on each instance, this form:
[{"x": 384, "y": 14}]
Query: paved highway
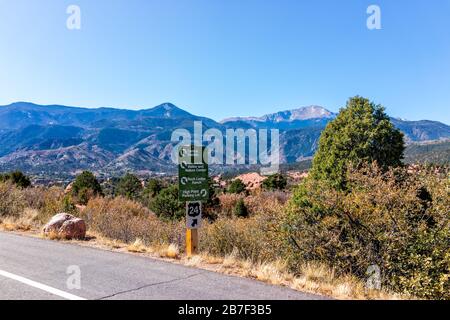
[{"x": 32, "y": 268}]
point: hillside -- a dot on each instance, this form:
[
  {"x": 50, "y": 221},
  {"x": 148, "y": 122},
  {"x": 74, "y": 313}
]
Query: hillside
[{"x": 55, "y": 139}]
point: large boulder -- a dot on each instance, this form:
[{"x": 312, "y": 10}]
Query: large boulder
[{"x": 66, "y": 226}]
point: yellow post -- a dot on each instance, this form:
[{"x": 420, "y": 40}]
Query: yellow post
[{"x": 191, "y": 242}]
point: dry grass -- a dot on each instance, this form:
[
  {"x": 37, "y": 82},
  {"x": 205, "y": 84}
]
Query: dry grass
[
  {"x": 53, "y": 235},
  {"x": 315, "y": 278},
  {"x": 24, "y": 222},
  {"x": 173, "y": 251},
  {"x": 137, "y": 246},
  {"x": 127, "y": 221}
]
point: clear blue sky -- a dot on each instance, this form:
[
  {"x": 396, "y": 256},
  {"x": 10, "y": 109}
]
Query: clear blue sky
[{"x": 222, "y": 58}]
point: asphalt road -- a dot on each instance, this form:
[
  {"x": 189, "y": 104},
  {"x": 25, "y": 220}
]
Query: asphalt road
[{"x": 32, "y": 268}]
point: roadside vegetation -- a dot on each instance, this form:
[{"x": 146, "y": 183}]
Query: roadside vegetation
[{"x": 359, "y": 209}]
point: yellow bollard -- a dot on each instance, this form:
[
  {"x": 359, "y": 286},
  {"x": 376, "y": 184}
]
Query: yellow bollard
[{"x": 191, "y": 242}]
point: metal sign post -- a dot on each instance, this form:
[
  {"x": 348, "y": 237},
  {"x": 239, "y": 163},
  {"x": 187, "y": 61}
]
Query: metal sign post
[{"x": 193, "y": 189}]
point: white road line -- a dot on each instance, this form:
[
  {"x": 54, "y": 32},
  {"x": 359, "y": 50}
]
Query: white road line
[{"x": 41, "y": 286}]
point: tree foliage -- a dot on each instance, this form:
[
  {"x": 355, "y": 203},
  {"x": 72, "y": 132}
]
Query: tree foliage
[
  {"x": 275, "y": 181},
  {"x": 393, "y": 219},
  {"x": 237, "y": 186},
  {"x": 166, "y": 204},
  {"x": 85, "y": 187},
  {"x": 153, "y": 187},
  {"x": 362, "y": 132},
  {"x": 16, "y": 177},
  {"x": 240, "y": 209},
  {"x": 129, "y": 186}
]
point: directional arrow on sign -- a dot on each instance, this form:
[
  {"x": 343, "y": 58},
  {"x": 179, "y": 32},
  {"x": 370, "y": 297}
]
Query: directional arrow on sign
[{"x": 194, "y": 222}]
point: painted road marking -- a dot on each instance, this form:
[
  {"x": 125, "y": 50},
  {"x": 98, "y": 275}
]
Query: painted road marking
[{"x": 41, "y": 286}]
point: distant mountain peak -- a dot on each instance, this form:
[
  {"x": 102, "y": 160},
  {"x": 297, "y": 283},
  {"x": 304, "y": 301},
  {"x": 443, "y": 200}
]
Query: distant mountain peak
[
  {"x": 167, "y": 110},
  {"x": 166, "y": 106},
  {"x": 302, "y": 113}
]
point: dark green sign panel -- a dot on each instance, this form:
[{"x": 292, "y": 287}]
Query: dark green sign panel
[{"x": 192, "y": 174}]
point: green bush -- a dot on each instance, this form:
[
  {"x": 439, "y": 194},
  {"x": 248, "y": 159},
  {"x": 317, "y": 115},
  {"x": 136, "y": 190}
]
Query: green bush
[
  {"x": 68, "y": 205},
  {"x": 166, "y": 204},
  {"x": 16, "y": 177},
  {"x": 240, "y": 209},
  {"x": 237, "y": 186},
  {"x": 274, "y": 182},
  {"x": 394, "y": 219},
  {"x": 85, "y": 187},
  {"x": 212, "y": 205},
  {"x": 153, "y": 187},
  {"x": 129, "y": 186}
]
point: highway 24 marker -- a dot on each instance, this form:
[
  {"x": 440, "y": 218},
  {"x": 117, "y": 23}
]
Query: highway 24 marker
[{"x": 193, "y": 214}]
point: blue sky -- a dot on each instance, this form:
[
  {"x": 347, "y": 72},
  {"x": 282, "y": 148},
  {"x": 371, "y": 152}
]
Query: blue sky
[{"x": 222, "y": 58}]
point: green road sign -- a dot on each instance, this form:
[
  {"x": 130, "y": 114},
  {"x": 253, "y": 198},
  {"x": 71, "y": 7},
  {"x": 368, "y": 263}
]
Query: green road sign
[{"x": 192, "y": 174}]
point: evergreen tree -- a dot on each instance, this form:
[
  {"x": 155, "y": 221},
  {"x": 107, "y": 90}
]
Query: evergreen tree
[
  {"x": 240, "y": 209},
  {"x": 129, "y": 186},
  {"x": 237, "y": 186},
  {"x": 362, "y": 132},
  {"x": 86, "y": 186},
  {"x": 154, "y": 186},
  {"x": 275, "y": 181},
  {"x": 166, "y": 204},
  {"x": 16, "y": 177}
]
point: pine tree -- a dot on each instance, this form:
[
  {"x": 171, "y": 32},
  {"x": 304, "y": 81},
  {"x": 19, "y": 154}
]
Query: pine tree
[{"x": 362, "y": 132}]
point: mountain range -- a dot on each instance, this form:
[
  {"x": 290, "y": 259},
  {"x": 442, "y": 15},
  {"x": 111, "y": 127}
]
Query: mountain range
[{"x": 60, "y": 140}]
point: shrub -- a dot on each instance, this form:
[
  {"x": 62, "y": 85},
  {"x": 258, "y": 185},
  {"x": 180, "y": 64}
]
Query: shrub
[
  {"x": 126, "y": 220},
  {"x": 129, "y": 186},
  {"x": 392, "y": 219},
  {"x": 211, "y": 206},
  {"x": 86, "y": 186},
  {"x": 240, "y": 210},
  {"x": 256, "y": 239},
  {"x": 275, "y": 181},
  {"x": 267, "y": 201},
  {"x": 48, "y": 202},
  {"x": 256, "y": 203},
  {"x": 166, "y": 204},
  {"x": 227, "y": 203},
  {"x": 12, "y": 201},
  {"x": 68, "y": 205},
  {"x": 17, "y": 178},
  {"x": 237, "y": 186},
  {"x": 153, "y": 187}
]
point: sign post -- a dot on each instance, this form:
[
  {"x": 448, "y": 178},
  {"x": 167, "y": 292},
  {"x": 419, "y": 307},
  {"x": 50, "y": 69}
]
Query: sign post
[{"x": 193, "y": 189}]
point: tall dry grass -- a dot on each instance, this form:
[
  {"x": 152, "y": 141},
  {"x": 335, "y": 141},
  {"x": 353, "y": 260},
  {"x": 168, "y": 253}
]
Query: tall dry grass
[
  {"x": 31, "y": 206},
  {"x": 126, "y": 220}
]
